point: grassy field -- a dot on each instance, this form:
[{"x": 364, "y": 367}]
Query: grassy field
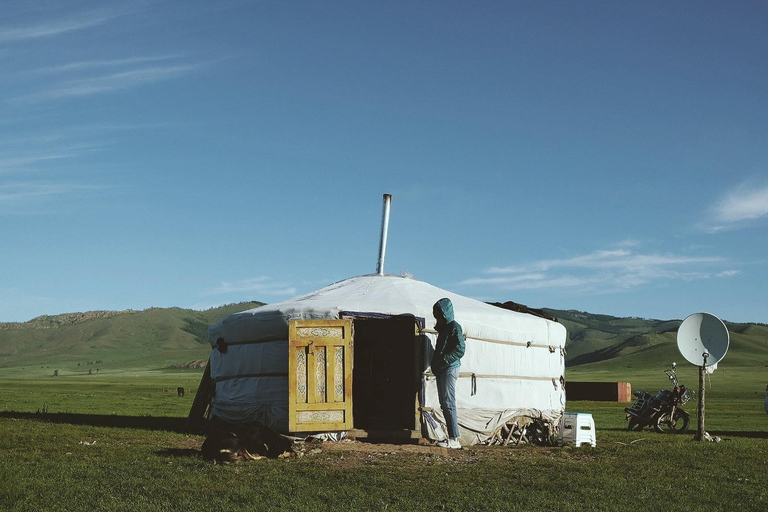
[
  {"x": 140, "y": 460},
  {"x": 113, "y": 440},
  {"x": 125, "y": 392}
]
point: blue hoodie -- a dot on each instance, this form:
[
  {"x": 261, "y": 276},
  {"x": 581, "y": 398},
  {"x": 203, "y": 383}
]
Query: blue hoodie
[{"x": 450, "y": 338}]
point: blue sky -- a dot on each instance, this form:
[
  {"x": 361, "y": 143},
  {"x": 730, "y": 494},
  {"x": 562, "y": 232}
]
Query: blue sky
[{"x": 610, "y": 157}]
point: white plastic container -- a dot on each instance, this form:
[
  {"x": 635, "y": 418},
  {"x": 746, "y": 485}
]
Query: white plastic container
[{"x": 577, "y": 428}]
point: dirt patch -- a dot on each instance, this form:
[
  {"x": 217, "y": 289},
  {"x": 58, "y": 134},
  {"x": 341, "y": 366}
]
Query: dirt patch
[
  {"x": 350, "y": 454},
  {"x": 432, "y": 452},
  {"x": 363, "y": 447}
]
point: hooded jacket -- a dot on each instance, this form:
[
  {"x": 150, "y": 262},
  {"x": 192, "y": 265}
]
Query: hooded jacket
[{"x": 450, "y": 339}]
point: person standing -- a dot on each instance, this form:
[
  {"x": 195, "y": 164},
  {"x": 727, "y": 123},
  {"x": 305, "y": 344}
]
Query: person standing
[{"x": 445, "y": 365}]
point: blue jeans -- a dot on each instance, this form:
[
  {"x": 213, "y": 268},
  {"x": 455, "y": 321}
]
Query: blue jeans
[{"x": 446, "y": 392}]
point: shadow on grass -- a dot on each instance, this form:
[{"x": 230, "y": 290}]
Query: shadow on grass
[
  {"x": 104, "y": 420},
  {"x": 736, "y": 433},
  {"x": 179, "y": 452},
  {"x": 692, "y": 432}
]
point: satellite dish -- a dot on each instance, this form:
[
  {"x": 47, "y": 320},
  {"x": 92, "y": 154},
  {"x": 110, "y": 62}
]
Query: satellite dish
[{"x": 700, "y": 334}]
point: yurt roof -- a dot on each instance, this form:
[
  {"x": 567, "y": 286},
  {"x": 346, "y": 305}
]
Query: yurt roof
[{"x": 388, "y": 295}]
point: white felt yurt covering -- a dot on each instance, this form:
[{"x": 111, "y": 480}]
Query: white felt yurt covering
[{"x": 513, "y": 366}]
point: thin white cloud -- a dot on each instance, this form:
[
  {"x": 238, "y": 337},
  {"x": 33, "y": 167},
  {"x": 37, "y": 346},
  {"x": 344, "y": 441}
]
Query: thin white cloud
[
  {"x": 13, "y": 163},
  {"x": 739, "y": 206},
  {"x": 28, "y": 160},
  {"x": 263, "y": 285},
  {"x": 63, "y": 137},
  {"x": 555, "y": 282},
  {"x": 608, "y": 259},
  {"x": 55, "y": 28},
  {"x": 595, "y": 259},
  {"x": 24, "y": 191},
  {"x": 109, "y": 83},
  {"x": 603, "y": 271},
  {"x": 99, "y": 64},
  {"x": 628, "y": 243},
  {"x": 508, "y": 280}
]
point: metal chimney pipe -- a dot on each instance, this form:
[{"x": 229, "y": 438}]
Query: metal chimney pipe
[{"x": 384, "y": 231}]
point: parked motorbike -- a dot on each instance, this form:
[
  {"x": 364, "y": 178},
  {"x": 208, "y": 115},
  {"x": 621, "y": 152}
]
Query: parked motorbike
[{"x": 664, "y": 411}]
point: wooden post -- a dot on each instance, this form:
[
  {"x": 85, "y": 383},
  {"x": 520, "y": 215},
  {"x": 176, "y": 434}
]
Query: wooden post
[
  {"x": 702, "y": 390},
  {"x": 198, "y": 411}
]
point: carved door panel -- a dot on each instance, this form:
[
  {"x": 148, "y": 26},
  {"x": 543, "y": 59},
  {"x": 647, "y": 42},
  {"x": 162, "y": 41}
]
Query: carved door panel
[{"x": 320, "y": 375}]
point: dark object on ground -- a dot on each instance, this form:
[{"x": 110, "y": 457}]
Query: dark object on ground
[
  {"x": 228, "y": 442},
  {"x": 180, "y": 391},
  {"x": 599, "y": 391},
  {"x": 224, "y": 446},
  {"x": 260, "y": 440}
]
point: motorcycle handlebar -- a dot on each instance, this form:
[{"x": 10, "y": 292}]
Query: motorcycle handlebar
[{"x": 672, "y": 375}]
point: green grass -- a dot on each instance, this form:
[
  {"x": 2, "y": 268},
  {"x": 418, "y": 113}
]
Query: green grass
[
  {"x": 73, "y": 467},
  {"x": 128, "y": 393},
  {"x": 728, "y": 381},
  {"x": 84, "y": 466}
]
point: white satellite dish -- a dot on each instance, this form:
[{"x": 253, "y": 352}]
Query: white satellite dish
[{"x": 703, "y": 339}]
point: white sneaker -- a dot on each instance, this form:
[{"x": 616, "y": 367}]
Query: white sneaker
[{"x": 449, "y": 443}]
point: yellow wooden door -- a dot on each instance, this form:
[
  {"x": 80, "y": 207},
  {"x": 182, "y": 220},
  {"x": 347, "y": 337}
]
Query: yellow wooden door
[{"x": 320, "y": 375}]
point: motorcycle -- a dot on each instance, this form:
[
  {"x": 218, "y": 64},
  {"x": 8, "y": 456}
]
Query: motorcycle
[{"x": 664, "y": 411}]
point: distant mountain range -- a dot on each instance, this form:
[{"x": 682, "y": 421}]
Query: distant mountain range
[{"x": 163, "y": 337}]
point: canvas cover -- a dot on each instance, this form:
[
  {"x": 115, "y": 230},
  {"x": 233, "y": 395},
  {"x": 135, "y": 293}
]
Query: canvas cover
[{"x": 513, "y": 366}]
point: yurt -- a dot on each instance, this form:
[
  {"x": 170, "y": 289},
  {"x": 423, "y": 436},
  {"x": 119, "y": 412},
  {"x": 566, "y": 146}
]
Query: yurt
[{"x": 354, "y": 357}]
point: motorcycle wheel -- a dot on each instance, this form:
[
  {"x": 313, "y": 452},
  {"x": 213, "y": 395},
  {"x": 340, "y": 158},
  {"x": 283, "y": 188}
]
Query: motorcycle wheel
[
  {"x": 675, "y": 425},
  {"x": 633, "y": 424}
]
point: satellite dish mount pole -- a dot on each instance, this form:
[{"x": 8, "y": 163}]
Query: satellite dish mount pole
[
  {"x": 703, "y": 340},
  {"x": 700, "y": 433}
]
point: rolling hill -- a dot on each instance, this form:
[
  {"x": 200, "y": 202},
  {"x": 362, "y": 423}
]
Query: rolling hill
[
  {"x": 76, "y": 342},
  {"x": 164, "y": 337},
  {"x": 638, "y": 342}
]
